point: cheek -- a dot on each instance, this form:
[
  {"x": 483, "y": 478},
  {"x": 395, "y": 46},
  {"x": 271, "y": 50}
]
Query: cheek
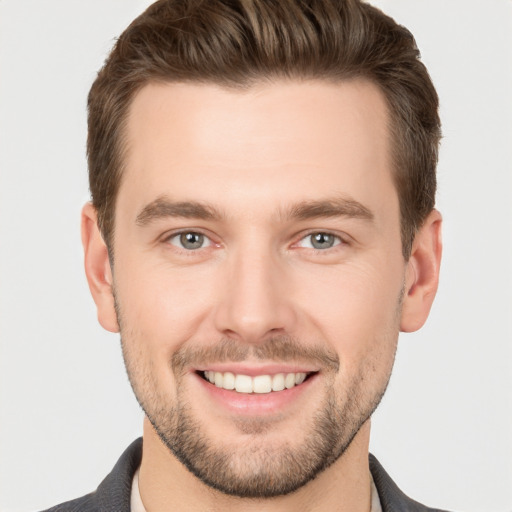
[
  {"x": 163, "y": 302},
  {"x": 356, "y": 308}
]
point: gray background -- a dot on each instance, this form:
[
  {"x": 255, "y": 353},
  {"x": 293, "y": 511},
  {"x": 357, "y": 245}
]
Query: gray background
[{"x": 444, "y": 430}]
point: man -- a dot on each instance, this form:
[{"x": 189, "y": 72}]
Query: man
[{"x": 262, "y": 226}]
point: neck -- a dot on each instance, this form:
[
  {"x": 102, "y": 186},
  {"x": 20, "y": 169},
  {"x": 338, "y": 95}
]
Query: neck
[{"x": 165, "y": 484}]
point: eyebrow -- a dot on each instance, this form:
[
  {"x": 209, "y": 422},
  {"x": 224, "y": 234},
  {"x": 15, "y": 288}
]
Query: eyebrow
[
  {"x": 336, "y": 207},
  {"x": 162, "y": 208}
]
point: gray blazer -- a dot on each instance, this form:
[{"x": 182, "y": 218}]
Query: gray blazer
[{"x": 113, "y": 494}]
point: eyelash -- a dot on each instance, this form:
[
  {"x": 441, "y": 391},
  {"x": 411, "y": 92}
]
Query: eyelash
[
  {"x": 168, "y": 239},
  {"x": 338, "y": 241}
]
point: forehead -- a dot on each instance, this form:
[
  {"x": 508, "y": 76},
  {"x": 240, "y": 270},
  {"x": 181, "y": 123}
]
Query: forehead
[{"x": 283, "y": 140}]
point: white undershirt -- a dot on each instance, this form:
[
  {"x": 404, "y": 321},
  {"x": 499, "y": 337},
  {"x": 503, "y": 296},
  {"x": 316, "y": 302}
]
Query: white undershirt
[
  {"x": 375, "y": 497},
  {"x": 137, "y": 505}
]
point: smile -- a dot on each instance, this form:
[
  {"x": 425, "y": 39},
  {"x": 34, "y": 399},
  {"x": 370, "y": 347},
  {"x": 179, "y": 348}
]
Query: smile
[{"x": 257, "y": 384}]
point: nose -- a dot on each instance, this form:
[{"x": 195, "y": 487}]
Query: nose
[{"x": 255, "y": 300}]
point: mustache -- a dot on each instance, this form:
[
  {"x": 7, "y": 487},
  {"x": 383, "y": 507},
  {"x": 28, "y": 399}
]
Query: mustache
[{"x": 278, "y": 349}]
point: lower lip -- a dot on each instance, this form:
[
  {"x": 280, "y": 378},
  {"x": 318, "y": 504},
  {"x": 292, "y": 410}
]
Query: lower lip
[{"x": 257, "y": 404}]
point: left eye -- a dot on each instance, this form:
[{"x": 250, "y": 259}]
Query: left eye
[
  {"x": 190, "y": 240},
  {"x": 320, "y": 241}
]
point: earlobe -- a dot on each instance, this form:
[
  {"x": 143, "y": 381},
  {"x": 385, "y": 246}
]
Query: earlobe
[
  {"x": 98, "y": 270},
  {"x": 422, "y": 274}
]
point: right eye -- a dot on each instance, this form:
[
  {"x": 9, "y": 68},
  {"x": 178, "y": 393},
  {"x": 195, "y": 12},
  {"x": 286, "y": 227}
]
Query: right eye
[
  {"x": 190, "y": 240},
  {"x": 320, "y": 241}
]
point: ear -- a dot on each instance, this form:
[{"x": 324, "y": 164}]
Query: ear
[
  {"x": 97, "y": 269},
  {"x": 422, "y": 274}
]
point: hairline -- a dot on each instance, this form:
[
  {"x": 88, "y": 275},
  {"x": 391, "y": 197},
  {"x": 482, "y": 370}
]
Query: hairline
[{"x": 243, "y": 86}]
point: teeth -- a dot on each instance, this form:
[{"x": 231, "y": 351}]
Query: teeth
[
  {"x": 258, "y": 384},
  {"x": 278, "y": 382},
  {"x": 289, "y": 380},
  {"x": 229, "y": 381},
  {"x": 299, "y": 378},
  {"x": 262, "y": 384},
  {"x": 243, "y": 384}
]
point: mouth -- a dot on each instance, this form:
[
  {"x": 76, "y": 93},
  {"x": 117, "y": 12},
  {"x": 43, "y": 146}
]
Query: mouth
[{"x": 257, "y": 384}]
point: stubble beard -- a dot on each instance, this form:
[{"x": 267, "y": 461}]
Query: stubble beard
[{"x": 257, "y": 468}]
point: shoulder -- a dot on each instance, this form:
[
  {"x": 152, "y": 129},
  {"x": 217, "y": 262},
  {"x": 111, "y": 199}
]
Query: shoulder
[
  {"x": 391, "y": 497},
  {"x": 84, "y": 504},
  {"x": 113, "y": 493}
]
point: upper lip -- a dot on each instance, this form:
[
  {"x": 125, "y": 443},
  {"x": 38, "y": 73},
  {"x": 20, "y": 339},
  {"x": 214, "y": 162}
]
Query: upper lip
[{"x": 253, "y": 370}]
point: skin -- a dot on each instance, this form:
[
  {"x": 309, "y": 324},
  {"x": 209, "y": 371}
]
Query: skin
[{"x": 256, "y": 158}]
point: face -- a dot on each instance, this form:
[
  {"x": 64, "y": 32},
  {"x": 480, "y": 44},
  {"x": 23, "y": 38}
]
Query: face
[{"x": 258, "y": 274}]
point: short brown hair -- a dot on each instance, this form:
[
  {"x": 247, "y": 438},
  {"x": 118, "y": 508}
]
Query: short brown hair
[{"x": 236, "y": 43}]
